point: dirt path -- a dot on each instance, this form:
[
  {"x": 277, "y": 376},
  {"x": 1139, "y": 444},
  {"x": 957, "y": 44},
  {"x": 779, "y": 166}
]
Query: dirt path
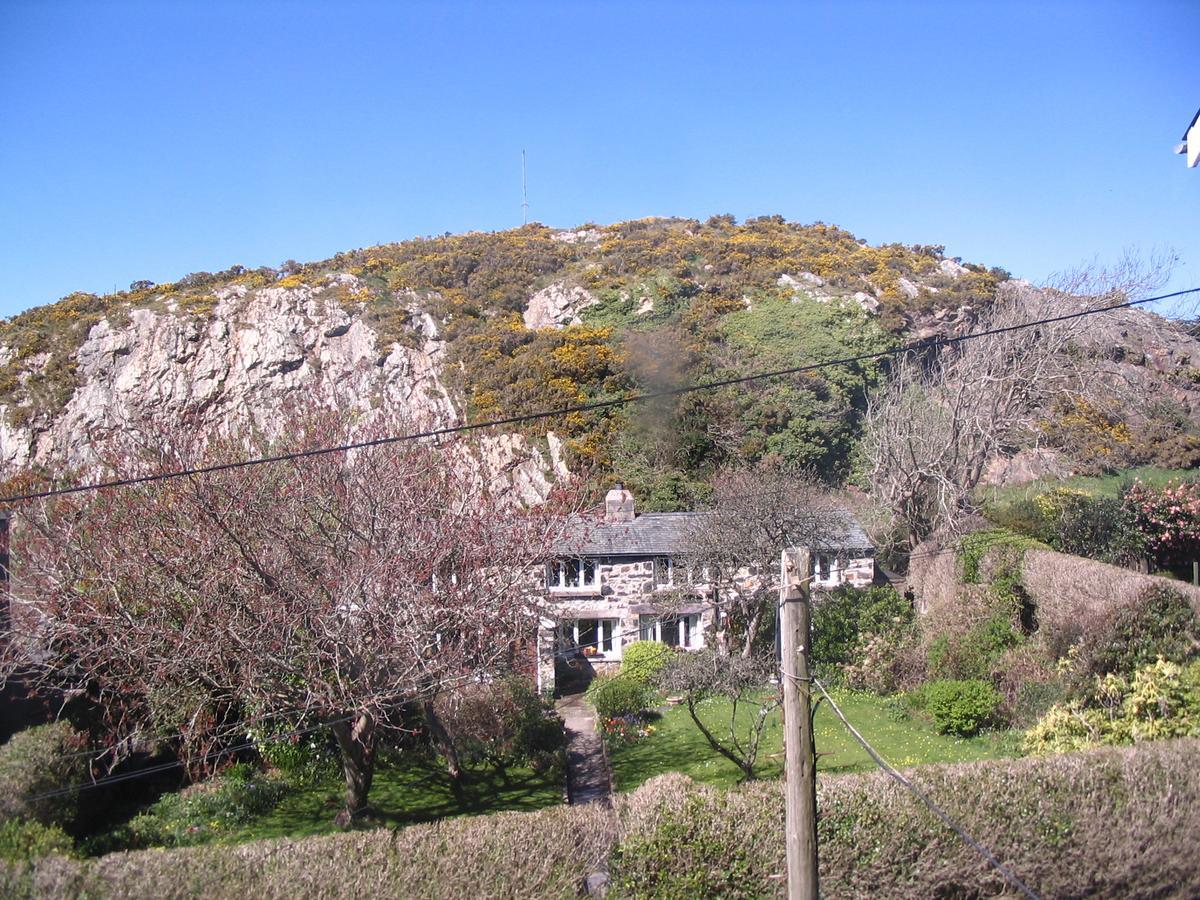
[{"x": 588, "y": 777}]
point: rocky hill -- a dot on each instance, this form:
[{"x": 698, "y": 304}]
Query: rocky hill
[{"x": 468, "y": 327}]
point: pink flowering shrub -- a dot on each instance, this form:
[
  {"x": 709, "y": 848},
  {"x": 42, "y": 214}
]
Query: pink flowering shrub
[{"x": 1169, "y": 518}]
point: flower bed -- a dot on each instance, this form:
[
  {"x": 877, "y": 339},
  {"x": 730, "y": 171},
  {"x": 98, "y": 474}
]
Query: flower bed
[{"x": 624, "y": 730}]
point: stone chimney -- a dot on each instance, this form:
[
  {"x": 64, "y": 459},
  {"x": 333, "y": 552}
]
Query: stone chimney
[{"x": 618, "y": 505}]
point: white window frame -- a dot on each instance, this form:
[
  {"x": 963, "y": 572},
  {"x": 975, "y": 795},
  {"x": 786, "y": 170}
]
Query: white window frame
[
  {"x": 557, "y": 575},
  {"x": 665, "y": 565},
  {"x": 608, "y": 645},
  {"x": 690, "y": 633},
  {"x": 828, "y": 569}
]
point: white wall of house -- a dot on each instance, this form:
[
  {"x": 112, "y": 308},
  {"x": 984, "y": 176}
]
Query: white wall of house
[{"x": 608, "y": 603}]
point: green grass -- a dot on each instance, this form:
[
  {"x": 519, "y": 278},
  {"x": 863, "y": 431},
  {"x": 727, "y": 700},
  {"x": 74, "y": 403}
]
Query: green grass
[
  {"x": 1098, "y": 485},
  {"x": 676, "y": 745},
  {"x": 416, "y": 789}
]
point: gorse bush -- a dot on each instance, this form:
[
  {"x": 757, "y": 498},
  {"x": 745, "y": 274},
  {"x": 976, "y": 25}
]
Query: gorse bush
[
  {"x": 960, "y": 707},
  {"x": 641, "y": 661},
  {"x": 614, "y": 696},
  {"x": 37, "y": 762}
]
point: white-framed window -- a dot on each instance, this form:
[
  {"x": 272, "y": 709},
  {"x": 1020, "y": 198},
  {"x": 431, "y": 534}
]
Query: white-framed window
[
  {"x": 664, "y": 571},
  {"x": 674, "y": 631},
  {"x": 571, "y": 574},
  {"x": 826, "y": 568},
  {"x": 591, "y": 637}
]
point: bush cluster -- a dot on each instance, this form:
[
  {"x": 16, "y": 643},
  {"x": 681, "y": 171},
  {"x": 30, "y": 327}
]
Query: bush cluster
[
  {"x": 1161, "y": 700},
  {"x": 1070, "y": 825},
  {"x": 39, "y": 761},
  {"x": 21, "y": 840},
  {"x": 204, "y": 811}
]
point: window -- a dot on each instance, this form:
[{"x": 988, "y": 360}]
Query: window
[
  {"x": 590, "y": 637},
  {"x": 824, "y": 567},
  {"x": 664, "y": 571},
  {"x": 674, "y": 631},
  {"x": 571, "y": 574}
]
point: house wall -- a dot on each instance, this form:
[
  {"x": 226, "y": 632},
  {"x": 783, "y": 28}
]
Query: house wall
[{"x": 625, "y": 590}]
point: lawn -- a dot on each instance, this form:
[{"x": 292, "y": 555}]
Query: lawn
[
  {"x": 414, "y": 788},
  {"x": 418, "y": 791},
  {"x": 676, "y": 745}
]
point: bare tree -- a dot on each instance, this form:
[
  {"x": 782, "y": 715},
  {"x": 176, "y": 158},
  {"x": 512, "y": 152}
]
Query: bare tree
[
  {"x": 742, "y": 681},
  {"x": 334, "y": 588},
  {"x": 733, "y": 549},
  {"x": 944, "y": 414}
]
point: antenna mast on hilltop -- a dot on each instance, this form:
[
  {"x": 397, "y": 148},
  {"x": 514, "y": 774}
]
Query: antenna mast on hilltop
[{"x": 524, "y": 193}]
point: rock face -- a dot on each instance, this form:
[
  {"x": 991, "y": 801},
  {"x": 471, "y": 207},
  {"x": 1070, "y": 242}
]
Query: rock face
[
  {"x": 240, "y": 369},
  {"x": 556, "y": 305}
]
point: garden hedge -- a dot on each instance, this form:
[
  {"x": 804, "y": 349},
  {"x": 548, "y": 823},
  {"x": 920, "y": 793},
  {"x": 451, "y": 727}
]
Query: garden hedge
[{"x": 1112, "y": 822}]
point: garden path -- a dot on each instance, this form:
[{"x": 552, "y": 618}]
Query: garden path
[{"x": 589, "y": 779}]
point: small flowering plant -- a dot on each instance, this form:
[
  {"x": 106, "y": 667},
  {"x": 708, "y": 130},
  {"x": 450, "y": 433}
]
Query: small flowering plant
[
  {"x": 590, "y": 651},
  {"x": 620, "y": 731}
]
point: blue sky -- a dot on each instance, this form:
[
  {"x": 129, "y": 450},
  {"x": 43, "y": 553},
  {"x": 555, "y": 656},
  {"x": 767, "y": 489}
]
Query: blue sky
[{"x": 149, "y": 140}]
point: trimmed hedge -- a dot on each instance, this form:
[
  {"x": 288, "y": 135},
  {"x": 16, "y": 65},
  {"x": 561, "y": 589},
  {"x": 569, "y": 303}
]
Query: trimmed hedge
[
  {"x": 547, "y": 853},
  {"x": 1075, "y": 825},
  {"x": 614, "y": 696}
]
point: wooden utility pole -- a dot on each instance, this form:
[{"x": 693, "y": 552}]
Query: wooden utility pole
[{"x": 795, "y": 626}]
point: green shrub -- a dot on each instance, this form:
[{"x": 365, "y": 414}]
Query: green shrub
[
  {"x": 306, "y": 759},
  {"x": 40, "y": 761},
  {"x": 641, "y": 661},
  {"x": 20, "y": 841},
  {"x": 972, "y": 655},
  {"x": 199, "y": 813},
  {"x": 613, "y": 696},
  {"x": 960, "y": 707}
]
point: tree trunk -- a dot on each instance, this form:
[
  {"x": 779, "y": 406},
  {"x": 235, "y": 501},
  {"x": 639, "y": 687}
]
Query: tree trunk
[
  {"x": 752, "y": 624},
  {"x": 356, "y": 741},
  {"x": 442, "y": 739}
]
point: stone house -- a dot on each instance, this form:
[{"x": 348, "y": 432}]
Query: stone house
[{"x": 622, "y": 579}]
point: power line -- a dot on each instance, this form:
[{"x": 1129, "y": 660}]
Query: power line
[
  {"x": 581, "y": 407},
  {"x": 979, "y": 848}
]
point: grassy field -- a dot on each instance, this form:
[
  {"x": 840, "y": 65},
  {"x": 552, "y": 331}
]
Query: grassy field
[
  {"x": 1099, "y": 485},
  {"x": 676, "y": 745}
]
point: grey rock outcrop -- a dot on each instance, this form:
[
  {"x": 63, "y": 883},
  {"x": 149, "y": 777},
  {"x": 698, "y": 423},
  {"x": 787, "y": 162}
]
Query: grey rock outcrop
[
  {"x": 242, "y": 368},
  {"x": 556, "y": 305}
]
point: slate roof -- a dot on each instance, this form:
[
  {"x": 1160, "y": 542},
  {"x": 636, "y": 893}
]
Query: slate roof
[{"x": 665, "y": 534}]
